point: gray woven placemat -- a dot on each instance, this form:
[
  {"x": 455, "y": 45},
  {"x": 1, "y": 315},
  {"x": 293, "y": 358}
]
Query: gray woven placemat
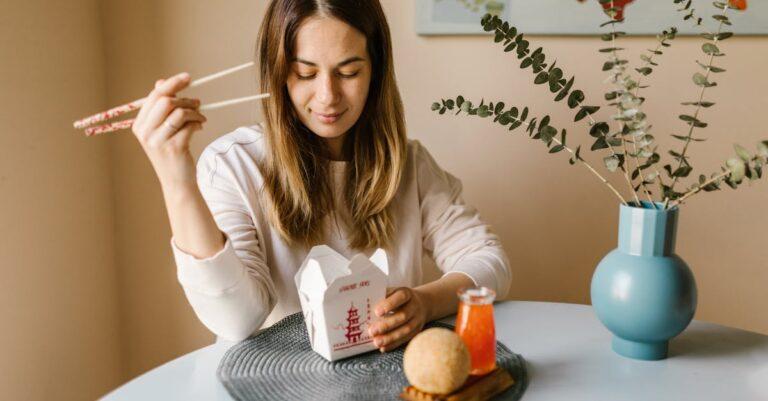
[{"x": 279, "y": 364}]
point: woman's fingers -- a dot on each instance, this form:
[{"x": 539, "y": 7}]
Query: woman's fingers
[
  {"x": 180, "y": 141},
  {"x": 169, "y": 87},
  {"x": 390, "y": 322},
  {"x": 397, "y": 297},
  {"x": 402, "y": 315},
  {"x": 150, "y": 116},
  {"x": 163, "y": 87},
  {"x": 180, "y": 116},
  {"x": 163, "y": 107},
  {"x": 176, "y": 121},
  {"x": 398, "y": 336}
]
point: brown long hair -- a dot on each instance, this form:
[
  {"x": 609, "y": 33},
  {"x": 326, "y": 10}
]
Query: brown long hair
[{"x": 296, "y": 170}]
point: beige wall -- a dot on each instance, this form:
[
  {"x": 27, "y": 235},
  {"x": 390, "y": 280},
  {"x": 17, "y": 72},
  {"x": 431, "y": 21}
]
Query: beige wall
[
  {"x": 146, "y": 40},
  {"x": 58, "y": 292},
  {"x": 556, "y": 221}
]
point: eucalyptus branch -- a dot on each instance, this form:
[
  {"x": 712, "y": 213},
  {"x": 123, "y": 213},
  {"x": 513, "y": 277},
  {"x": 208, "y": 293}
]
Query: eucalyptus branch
[
  {"x": 554, "y": 76},
  {"x": 693, "y": 121},
  {"x": 715, "y": 179},
  {"x": 737, "y": 168},
  {"x": 645, "y": 70},
  {"x": 619, "y": 68},
  {"x": 512, "y": 117},
  {"x": 691, "y": 14},
  {"x": 600, "y": 131}
]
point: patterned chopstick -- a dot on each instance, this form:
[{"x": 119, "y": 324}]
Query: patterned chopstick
[
  {"x": 116, "y": 126},
  {"x": 136, "y": 104}
]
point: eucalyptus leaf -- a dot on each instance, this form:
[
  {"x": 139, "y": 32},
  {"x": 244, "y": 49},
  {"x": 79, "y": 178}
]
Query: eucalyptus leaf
[
  {"x": 722, "y": 18},
  {"x": 693, "y": 121},
  {"x": 575, "y": 99},
  {"x": 600, "y": 129},
  {"x": 737, "y": 168},
  {"x": 710, "y": 49},
  {"x": 702, "y": 104},
  {"x": 541, "y": 78},
  {"x": 585, "y": 111},
  {"x": 600, "y": 143},
  {"x": 762, "y": 149},
  {"x": 548, "y": 133},
  {"x": 685, "y": 138},
  {"x": 683, "y": 171},
  {"x": 700, "y": 79},
  {"x": 645, "y": 70},
  {"x": 742, "y": 153},
  {"x": 564, "y": 91},
  {"x": 611, "y": 163},
  {"x": 556, "y": 148},
  {"x": 544, "y": 122}
]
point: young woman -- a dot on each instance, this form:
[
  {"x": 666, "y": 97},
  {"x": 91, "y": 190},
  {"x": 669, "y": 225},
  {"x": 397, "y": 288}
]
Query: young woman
[{"x": 330, "y": 164}]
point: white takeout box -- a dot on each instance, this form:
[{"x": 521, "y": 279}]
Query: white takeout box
[{"x": 337, "y": 298}]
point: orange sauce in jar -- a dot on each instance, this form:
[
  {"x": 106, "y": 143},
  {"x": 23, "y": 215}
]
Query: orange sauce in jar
[{"x": 475, "y": 326}]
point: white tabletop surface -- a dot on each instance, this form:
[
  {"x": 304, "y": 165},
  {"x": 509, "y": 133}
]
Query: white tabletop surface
[{"x": 569, "y": 359}]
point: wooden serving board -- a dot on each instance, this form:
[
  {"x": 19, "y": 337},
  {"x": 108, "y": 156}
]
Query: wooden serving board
[{"x": 476, "y": 388}]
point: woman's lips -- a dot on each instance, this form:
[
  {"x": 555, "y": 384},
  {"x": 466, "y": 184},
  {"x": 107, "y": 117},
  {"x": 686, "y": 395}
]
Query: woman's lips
[{"x": 329, "y": 118}]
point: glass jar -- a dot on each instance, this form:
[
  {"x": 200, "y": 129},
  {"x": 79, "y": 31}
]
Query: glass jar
[{"x": 475, "y": 326}]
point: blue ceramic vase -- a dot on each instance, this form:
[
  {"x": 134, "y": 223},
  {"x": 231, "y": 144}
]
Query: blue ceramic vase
[{"x": 642, "y": 291}]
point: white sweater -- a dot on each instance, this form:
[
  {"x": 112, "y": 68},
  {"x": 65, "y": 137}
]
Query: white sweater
[{"x": 249, "y": 284}]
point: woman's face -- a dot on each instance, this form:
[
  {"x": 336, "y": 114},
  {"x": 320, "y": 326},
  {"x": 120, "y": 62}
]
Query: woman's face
[{"x": 329, "y": 79}]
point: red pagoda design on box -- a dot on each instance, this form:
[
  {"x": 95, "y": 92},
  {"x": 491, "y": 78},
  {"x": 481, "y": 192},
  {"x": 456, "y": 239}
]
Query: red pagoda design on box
[{"x": 353, "y": 325}]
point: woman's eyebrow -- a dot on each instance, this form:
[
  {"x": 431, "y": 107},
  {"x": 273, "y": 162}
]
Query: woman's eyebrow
[{"x": 341, "y": 64}]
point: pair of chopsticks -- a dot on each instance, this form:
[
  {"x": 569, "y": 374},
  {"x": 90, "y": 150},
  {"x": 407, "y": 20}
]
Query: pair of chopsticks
[{"x": 136, "y": 104}]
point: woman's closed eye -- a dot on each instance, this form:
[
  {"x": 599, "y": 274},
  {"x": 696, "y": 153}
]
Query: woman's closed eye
[{"x": 312, "y": 76}]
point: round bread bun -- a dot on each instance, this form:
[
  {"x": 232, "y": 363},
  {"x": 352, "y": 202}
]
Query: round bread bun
[{"x": 436, "y": 361}]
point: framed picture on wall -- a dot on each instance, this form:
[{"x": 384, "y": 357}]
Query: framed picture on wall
[
  {"x": 578, "y": 17},
  {"x": 450, "y": 17}
]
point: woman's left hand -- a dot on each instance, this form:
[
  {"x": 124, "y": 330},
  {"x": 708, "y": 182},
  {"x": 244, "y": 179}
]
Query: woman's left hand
[{"x": 401, "y": 315}]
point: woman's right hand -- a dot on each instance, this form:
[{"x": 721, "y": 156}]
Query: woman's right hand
[{"x": 164, "y": 127}]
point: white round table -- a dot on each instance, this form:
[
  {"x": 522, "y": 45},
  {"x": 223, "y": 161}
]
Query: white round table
[{"x": 569, "y": 359}]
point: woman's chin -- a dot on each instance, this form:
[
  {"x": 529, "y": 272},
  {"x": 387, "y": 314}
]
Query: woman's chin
[{"x": 328, "y": 131}]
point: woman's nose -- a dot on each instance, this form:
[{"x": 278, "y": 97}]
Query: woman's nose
[{"x": 327, "y": 92}]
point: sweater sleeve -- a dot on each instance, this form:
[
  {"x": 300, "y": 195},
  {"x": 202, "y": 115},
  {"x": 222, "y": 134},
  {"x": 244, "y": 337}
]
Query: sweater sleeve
[
  {"x": 231, "y": 292},
  {"x": 453, "y": 233}
]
